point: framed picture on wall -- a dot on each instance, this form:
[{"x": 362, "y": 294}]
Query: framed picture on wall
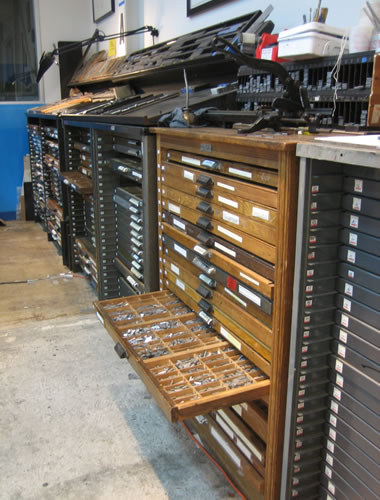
[
  {"x": 102, "y": 9},
  {"x": 195, "y": 6}
]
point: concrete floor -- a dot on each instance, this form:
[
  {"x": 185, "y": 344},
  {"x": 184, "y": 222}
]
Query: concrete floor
[{"x": 75, "y": 421}]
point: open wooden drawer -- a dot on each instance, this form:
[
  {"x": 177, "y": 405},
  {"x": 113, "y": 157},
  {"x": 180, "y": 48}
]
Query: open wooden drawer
[{"x": 187, "y": 366}]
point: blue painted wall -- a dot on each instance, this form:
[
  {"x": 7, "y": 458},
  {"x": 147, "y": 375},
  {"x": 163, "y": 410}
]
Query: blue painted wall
[{"x": 13, "y": 147}]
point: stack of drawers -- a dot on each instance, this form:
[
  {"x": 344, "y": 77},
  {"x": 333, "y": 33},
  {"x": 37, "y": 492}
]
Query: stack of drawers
[
  {"x": 352, "y": 440},
  {"x": 78, "y": 188},
  {"x": 51, "y": 159},
  {"x": 129, "y": 258},
  {"x": 125, "y": 182},
  {"x": 322, "y": 200},
  {"x": 332, "y": 442},
  {"x": 38, "y": 173}
]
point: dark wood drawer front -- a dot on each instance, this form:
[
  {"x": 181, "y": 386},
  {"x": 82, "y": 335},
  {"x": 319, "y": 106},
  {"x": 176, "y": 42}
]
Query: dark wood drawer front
[
  {"x": 227, "y": 265},
  {"x": 243, "y": 260}
]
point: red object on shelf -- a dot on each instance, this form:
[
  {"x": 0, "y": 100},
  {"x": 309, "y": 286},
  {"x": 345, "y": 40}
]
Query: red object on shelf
[{"x": 268, "y": 48}]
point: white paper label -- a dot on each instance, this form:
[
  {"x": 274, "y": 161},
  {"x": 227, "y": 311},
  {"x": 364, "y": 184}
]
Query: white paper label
[
  {"x": 329, "y": 459},
  {"x": 180, "y": 250},
  {"x": 330, "y": 446},
  {"x": 334, "y": 407},
  {"x": 174, "y": 208},
  {"x": 353, "y": 239},
  {"x": 224, "y": 249},
  {"x": 100, "y": 318},
  {"x": 180, "y": 284},
  {"x": 343, "y": 336},
  {"x": 225, "y": 186},
  {"x": 333, "y": 420},
  {"x": 179, "y": 224},
  {"x": 225, "y": 446},
  {"x": 351, "y": 274},
  {"x": 230, "y": 338},
  {"x": 250, "y": 296},
  {"x": 351, "y": 256},
  {"x": 347, "y": 305},
  {"x": 328, "y": 472},
  {"x": 356, "y": 204},
  {"x": 348, "y": 289},
  {"x": 242, "y": 173},
  {"x": 248, "y": 278},
  {"x": 234, "y": 219},
  {"x": 315, "y": 189},
  {"x": 260, "y": 213},
  {"x": 354, "y": 221},
  {"x": 344, "y": 320},
  {"x": 188, "y": 175},
  {"x": 191, "y": 161},
  {"x": 332, "y": 434},
  {"x": 232, "y": 235},
  {"x": 339, "y": 366},
  {"x": 175, "y": 269},
  {"x": 339, "y": 381},
  {"x": 358, "y": 185},
  {"x": 342, "y": 351},
  {"x": 314, "y": 222},
  {"x": 227, "y": 201},
  {"x": 337, "y": 394}
]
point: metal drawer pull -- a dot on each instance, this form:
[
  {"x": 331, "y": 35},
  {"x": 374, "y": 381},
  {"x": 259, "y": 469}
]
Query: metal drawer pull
[
  {"x": 204, "y": 223},
  {"x": 206, "y": 293},
  {"x": 203, "y": 252},
  {"x": 205, "y": 207},
  {"x": 203, "y": 266},
  {"x": 207, "y": 280},
  {"x": 120, "y": 351},
  {"x": 205, "y": 180},
  {"x": 202, "y": 191},
  {"x": 211, "y": 164},
  {"x": 206, "y": 318},
  {"x": 206, "y": 306},
  {"x": 206, "y": 239}
]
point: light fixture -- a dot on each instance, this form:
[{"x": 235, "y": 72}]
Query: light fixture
[{"x": 48, "y": 58}]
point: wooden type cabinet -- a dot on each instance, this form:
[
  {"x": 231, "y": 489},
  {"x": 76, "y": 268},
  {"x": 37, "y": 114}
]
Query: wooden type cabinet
[{"x": 214, "y": 342}]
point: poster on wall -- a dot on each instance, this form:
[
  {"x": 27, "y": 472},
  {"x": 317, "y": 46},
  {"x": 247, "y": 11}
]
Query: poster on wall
[
  {"x": 195, "y": 6},
  {"x": 102, "y": 9}
]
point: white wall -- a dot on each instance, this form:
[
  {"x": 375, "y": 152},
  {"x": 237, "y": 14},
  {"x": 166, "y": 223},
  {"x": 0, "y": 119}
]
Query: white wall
[
  {"x": 169, "y": 16},
  {"x": 60, "y": 20}
]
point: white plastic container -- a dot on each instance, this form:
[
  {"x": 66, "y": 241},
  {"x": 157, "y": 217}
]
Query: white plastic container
[{"x": 309, "y": 41}]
